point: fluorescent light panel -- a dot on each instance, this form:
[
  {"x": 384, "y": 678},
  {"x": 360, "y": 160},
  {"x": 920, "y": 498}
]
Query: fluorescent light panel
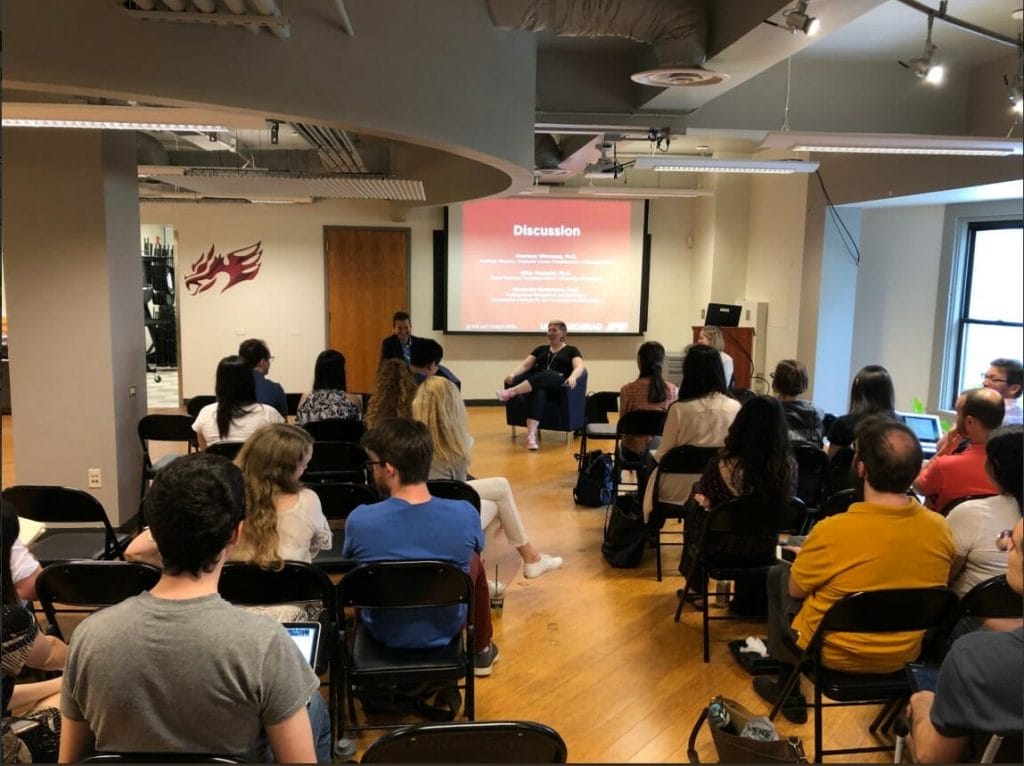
[
  {"x": 109, "y": 117},
  {"x": 637, "y": 191},
  {"x": 101, "y": 125},
  {"x": 697, "y": 165},
  {"x": 964, "y": 152},
  {"x": 893, "y": 143}
]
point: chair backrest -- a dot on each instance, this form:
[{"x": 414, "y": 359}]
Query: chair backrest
[
  {"x": 837, "y": 472},
  {"x": 160, "y": 758},
  {"x": 599, "y": 404},
  {"x": 686, "y": 459},
  {"x": 337, "y": 461},
  {"x": 292, "y": 402},
  {"x": 944, "y": 511},
  {"x": 838, "y": 503},
  {"x": 196, "y": 403},
  {"x": 992, "y": 598},
  {"x": 91, "y": 584},
  {"x": 336, "y": 430},
  {"x": 297, "y": 581},
  {"x": 228, "y": 449},
  {"x": 641, "y": 423},
  {"x": 811, "y": 462},
  {"x": 452, "y": 489},
  {"x": 752, "y": 515},
  {"x": 469, "y": 742},
  {"x": 166, "y": 428},
  {"x": 339, "y": 498},
  {"x": 48, "y": 504},
  {"x": 406, "y": 584},
  {"x": 891, "y": 610}
]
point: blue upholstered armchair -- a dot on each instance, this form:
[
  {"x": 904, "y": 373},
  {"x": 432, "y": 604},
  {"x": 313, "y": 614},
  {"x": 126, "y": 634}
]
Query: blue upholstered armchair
[{"x": 563, "y": 414}]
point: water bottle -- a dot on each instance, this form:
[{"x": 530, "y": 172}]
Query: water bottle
[{"x": 719, "y": 717}]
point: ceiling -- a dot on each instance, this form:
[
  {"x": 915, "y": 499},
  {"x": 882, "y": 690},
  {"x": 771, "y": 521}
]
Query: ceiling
[{"x": 845, "y": 80}]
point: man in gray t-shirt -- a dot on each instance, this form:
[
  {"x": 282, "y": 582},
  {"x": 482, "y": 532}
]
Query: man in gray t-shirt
[{"x": 178, "y": 669}]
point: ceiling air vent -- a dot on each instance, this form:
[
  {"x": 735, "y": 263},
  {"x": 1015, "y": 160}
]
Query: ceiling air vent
[{"x": 679, "y": 77}]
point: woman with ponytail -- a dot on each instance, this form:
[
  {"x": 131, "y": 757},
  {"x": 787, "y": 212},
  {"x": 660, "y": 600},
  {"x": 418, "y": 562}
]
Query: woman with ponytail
[{"x": 650, "y": 391}]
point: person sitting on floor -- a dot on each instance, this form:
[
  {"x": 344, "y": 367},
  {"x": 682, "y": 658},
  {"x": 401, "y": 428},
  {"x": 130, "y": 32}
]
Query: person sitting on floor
[
  {"x": 328, "y": 400},
  {"x": 980, "y": 690},
  {"x": 439, "y": 406},
  {"x": 887, "y": 541},
  {"x": 410, "y": 525}
]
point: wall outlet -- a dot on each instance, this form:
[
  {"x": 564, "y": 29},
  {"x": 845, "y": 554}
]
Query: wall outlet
[
  {"x": 95, "y": 478},
  {"x": 132, "y": 391}
]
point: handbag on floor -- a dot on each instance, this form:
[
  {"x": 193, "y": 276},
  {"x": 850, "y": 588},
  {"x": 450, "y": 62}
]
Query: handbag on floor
[
  {"x": 625, "y": 533},
  {"x": 733, "y": 748}
]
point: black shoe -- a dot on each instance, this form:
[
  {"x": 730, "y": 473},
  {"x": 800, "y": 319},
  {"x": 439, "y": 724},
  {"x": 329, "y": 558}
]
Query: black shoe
[{"x": 795, "y": 708}]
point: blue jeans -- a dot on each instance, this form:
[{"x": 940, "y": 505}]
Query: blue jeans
[{"x": 320, "y": 722}]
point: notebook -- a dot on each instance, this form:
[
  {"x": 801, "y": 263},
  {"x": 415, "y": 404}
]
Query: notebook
[
  {"x": 306, "y": 636},
  {"x": 925, "y": 427}
]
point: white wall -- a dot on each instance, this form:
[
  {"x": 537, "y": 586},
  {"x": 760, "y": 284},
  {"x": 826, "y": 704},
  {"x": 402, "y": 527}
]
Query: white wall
[{"x": 897, "y": 285}]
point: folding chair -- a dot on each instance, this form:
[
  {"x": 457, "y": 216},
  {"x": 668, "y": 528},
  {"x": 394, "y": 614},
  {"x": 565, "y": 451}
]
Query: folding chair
[
  {"x": 163, "y": 428},
  {"x": 450, "y": 489},
  {"x": 292, "y": 403},
  {"x": 832, "y": 505},
  {"x": 893, "y": 610},
  {"x": 404, "y": 585},
  {"x": 636, "y": 423},
  {"x": 469, "y": 742},
  {"x": 338, "y": 499},
  {"x": 228, "y": 449},
  {"x": 88, "y": 586},
  {"x": 811, "y": 462},
  {"x": 336, "y": 430},
  {"x": 62, "y": 505},
  {"x": 687, "y": 463},
  {"x": 337, "y": 461},
  {"x": 196, "y": 403},
  {"x": 752, "y": 517},
  {"x": 992, "y": 598},
  {"x": 596, "y": 408}
]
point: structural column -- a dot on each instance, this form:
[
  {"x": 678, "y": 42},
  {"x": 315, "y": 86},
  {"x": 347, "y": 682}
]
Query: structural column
[{"x": 74, "y": 304}]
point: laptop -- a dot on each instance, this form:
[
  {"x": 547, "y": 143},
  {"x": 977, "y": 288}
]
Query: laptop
[
  {"x": 307, "y": 636},
  {"x": 925, "y": 427},
  {"x": 722, "y": 315}
]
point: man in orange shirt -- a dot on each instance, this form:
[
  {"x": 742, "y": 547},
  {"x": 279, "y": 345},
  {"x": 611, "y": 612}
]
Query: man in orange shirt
[{"x": 887, "y": 541}]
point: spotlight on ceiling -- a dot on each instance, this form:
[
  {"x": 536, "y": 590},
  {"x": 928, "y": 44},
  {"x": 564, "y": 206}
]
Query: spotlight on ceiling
[
  {"x": 798, "y": 20},
  {"x": 925, "y": 66}
]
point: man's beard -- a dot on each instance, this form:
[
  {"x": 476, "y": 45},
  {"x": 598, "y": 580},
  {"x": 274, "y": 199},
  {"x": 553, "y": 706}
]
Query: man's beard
[{"x": 382, "y": 488}]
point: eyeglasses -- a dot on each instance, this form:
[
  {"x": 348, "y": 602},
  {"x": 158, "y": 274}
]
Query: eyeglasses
[
  {"x": 993, "y": 379},
  {"x": 1004, "y": 541},
  {"x": 371, "y": 463}
]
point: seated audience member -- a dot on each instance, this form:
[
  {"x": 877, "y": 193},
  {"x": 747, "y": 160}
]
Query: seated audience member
[
  {"x": 977, "y": 523},
  {"x": 393, "y": 392},
  {"x": 804, "y": 421},
  {"x": 871, "y": 393},
  {"x": 426, "y": 361},
  {"x": 257, "y": 354},
  {"x": 328, "y": 399},
  {"x": 541, "y": 375},
  {"x": 283, "y": 520},
  {"x": 439, "y": 406},
  {"x": 205, "y": 676},
  {"x": 25, "y": 646},
  {"x": 979, "y": 411},
  {"x": 400, "y": 345},
  {"x": 411, "y": 525},
  {"x": 1007, "y": 377},
  {"x": 236, "y": 414},
  {"x": 701, "y": 417},
  {"x": 650, "y": 391},
  {"x": 23, "y": 566},
  {"x": 979, "y": 690},
  {"x": 887, "y": 541},
  {"x": 754, "y": 461},
  {"x": 712, "y": 336}
]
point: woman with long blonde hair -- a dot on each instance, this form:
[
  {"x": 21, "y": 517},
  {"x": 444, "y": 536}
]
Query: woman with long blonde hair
[
  {"x": 283, "y": 520},
  {"x": 393, "y": 392},
  {"x": 439, "y": 406}
]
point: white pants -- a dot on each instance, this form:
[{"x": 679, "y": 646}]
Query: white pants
[{"x": 498, "y": 509}]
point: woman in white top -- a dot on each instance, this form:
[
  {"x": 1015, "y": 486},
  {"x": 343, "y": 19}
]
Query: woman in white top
[
  {"x": 712, "y": 336},
  {"x": 976, "y": 524},
  {"x": 701, "y": 418},
  {"x": 236, "y": 414},
  {"x": 283, "y": 520},
  {"x": 439, "y": 406}
]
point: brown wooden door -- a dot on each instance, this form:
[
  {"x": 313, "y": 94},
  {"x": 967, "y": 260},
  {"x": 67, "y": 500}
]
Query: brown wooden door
[{"x": 367, "y": 282}]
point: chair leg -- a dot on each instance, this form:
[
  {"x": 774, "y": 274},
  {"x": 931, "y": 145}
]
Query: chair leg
[
  {"x": 704, "y": 615},
  {"x": 790, "y": 685},
  {"x": 657, "y": 554},
  {"x": 513, "y": 433},
  {"x": 898, "y": 706},
  {"x": 818, "y": 727},
  {"x": 682, "y": 601}
]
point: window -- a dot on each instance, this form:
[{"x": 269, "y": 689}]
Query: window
[{"x": 991, "y": 316}]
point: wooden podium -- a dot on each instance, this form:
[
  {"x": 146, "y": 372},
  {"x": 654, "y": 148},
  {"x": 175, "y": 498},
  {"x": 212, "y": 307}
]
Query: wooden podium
[{"x": 739, "y": 344}]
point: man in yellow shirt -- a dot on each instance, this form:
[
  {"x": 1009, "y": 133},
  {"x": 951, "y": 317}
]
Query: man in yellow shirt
[{"x": 887, "y": 541}]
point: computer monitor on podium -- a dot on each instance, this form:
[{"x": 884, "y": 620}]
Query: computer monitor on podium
[{"x": 722, "y": 315}]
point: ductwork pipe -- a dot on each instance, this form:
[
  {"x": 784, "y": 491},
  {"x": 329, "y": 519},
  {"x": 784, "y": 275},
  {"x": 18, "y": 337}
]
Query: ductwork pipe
[{"x": 269, "y": 8}]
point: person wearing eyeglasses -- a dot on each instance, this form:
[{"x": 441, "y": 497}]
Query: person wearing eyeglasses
[
  {"x": 980, "y": 690},
  {"x": 1007, "y": 377},
  {"x": 257, "y": 354}
]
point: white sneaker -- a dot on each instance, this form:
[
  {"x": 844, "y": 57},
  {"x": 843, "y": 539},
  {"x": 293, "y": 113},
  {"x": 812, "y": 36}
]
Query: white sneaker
[
  {"x": 537, "y": 568},
  {"x": 531, "y": 442}
]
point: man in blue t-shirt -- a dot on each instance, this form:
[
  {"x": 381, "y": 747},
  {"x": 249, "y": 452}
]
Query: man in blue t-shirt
[{"x": 411, "y": 525}]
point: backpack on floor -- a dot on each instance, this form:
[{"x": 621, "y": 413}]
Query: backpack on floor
[{"x": 594, "y": 486}]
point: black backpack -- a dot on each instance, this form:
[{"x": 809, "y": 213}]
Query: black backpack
[{"x": 594, "y": 487}]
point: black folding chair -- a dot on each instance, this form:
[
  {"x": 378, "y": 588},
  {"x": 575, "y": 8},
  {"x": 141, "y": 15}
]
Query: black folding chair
[
  {"x": 292, "y": 403},
  {"x": 596, "y": 409},
  {"x": 163, "y": 428},
  {"x": 160, "y": 758},
  {"x": 811, "y": 462},
  {"x": 196, "y": 403},
  {"x": 992, "y": 598},
  {"x": 832, "y": 505},
  {"x": 893, "y": 610},
  {"x": 336, "y": 430},
  {"x": 62, "y": 505},
  {"x": 648, "y": 423},
  {"x": 89, "y": 585},
  {"x": 683, "y": 461},
  {"x": 469, "y": 742},
  {"x": 338, "y": 499},
  {"x": 402, "y": 585},
  {"x": 451, "y": 489},
  {"x": 337, "y": 461},
  {"x": 228, "y": 449},
  {"x": 748, "y": 517}
]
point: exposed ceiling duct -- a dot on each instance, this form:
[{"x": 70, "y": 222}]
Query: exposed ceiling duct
[
  {"x": 337, "y": 152},
  {"x": 676, "y": 29}
]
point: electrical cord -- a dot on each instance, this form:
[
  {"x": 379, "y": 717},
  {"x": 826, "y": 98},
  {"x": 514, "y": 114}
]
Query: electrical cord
[{"x": 844, "y": 233}]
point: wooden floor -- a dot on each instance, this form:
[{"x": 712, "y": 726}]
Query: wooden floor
[{"x": 590, "y": 650}]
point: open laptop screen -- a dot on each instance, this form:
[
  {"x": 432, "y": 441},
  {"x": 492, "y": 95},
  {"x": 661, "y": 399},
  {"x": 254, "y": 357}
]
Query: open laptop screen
[
  {"x": 306, "y": 636},
  {"x": 925, "y": 427}
]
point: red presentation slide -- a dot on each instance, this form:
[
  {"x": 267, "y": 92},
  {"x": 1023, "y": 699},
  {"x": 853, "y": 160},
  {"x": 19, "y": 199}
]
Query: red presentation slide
[{"x": 525, "y": 262}]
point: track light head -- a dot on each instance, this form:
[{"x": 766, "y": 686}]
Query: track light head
[
  {"x": 925, "y": 66},
  {"x": 798, "y": 20}
]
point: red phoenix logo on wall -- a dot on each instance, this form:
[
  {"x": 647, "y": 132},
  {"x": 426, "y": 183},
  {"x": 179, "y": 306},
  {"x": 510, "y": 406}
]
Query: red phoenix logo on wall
[{"x": 240, "y": 265}]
